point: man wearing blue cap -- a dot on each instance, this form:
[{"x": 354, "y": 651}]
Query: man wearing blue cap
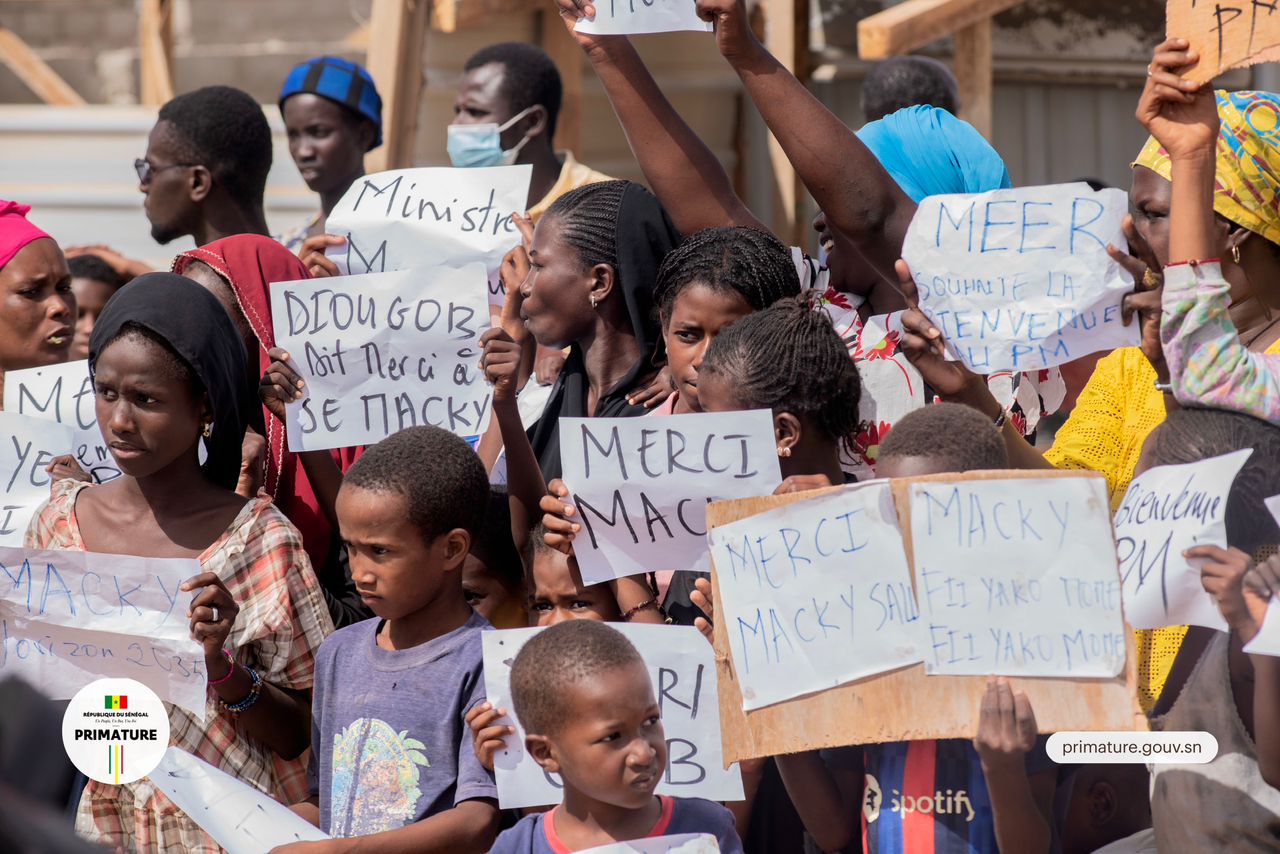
[{"x": 333, "y": 115}]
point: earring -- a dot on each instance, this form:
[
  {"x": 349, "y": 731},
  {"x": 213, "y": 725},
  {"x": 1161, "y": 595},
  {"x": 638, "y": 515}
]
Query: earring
[
  {"x": 593, "y": 300},
  {"x": 207, "y": 431},
  {"x": 1235, "y": 253},
  {"x": 784, "y": 452}
]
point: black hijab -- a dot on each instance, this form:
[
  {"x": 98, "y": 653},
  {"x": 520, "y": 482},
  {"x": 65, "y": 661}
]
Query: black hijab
[
  {"x": 643, "y": 235},
  {"x": 198, "y": 329}
]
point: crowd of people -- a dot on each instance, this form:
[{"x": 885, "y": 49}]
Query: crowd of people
[{"x": 343, "y": 593}]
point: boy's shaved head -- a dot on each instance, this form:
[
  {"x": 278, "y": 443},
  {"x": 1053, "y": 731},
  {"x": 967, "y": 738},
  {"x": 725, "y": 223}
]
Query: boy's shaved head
[
  {"x": 959, "y": 438},
  {"x": 557, "y": 658}
]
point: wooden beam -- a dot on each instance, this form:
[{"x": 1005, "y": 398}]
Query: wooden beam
[
  {"x": 973, "y": 75},
  {"x": 786, "y": 30},
  {"x": 155, "y": 51},
  {"x": 913, "y": 24},
  {"x": 397, "y": 35},
  {"x": 46, "y": 83},
  {"x": 565, "y": 53}
]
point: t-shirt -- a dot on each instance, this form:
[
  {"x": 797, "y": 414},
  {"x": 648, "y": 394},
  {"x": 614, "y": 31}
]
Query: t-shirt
[
  {"x": 535, "y": 834},
  {"x": 389, "y": 743},
  {"x": 926, "y": 796}
]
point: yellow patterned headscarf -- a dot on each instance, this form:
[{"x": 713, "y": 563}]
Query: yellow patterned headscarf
[{"x": 1247, "y": 189}]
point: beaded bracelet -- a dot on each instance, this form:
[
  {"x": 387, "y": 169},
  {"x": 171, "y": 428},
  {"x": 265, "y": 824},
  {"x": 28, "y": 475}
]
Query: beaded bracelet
[
  {"x": 648, "y": 603},
  {"x": 254, "y": 693},
  {"x": 231, "y": 671}
]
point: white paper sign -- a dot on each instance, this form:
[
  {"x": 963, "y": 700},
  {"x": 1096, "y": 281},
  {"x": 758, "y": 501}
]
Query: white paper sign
[
  {"x": 64, "y": 393},
  {"x": 641, "y": 485},
  {"x": 238, "y": 817},
  {"x": 1018, "y": 577},
  {"x": 816, "y": 594},
  {"x": 68, "y": 618},
  {"x": 429, "y": 217},
  {"x": 27, "y": 446},
  {"x": 636, "y": 17},
  {"x": 1167, "y": 510},
  {"x": 382, "y": 352},
  {"x": 684, "y": 843},
  {"x": 1020, "y": 280},
  {"x": 682, "y": 666}
]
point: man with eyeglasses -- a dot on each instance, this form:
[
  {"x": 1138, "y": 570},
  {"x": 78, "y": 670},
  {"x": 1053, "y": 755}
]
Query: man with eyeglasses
[{"x": 205, "y": 169}]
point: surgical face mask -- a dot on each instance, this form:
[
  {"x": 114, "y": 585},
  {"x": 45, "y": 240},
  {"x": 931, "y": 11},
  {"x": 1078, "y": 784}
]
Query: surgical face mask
[{"x": 472, "y": 146}]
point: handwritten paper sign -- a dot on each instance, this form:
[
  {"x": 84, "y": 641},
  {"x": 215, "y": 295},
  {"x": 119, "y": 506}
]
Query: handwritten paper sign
[
  {"x": 64, "y": 393},
  {"x": 803, "y": 585},
  {"x": 238, "y": 817},
  {"x": 1226, "y": 34},
  {"x": 382, "y": 352},
  {"x": 27, "y": 446},
  {"x": 430, "y": 217},
  {"x": 636, "y": 17},
  {"x": 1167, "y": 510},
  {"x": 68, "y": 618},
  {"x": 1020, "y": 280},
  {"x": 1018, "y": 578},
  {"x": 641, "y": 485},
  {"x": 682, "y": 666},
  {"x": 684, "y": 843}
]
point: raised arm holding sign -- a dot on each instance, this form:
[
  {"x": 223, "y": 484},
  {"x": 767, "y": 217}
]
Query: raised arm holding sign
[
  {"x": 1020, "y": 280},
  {"x": 384, "y": 351}
]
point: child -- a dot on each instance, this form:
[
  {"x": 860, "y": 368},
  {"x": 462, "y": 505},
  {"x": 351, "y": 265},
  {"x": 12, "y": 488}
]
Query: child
[
  {"x": 492, "y": 576},
  {"x": 391, "y": 755},
  {"x": 584, "y": 696},
  {"x": 93, "y": 281}
]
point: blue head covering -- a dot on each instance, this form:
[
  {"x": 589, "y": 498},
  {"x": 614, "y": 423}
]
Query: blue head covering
[
  {"x": 929, "y": 152},
  {"x": 341, "y": 81}
]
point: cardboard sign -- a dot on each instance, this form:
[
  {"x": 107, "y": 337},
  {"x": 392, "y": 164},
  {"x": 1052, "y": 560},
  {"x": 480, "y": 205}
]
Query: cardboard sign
[
  {"x": 682, "y": 668},
  {"x": 802, "y": 585},
  {"x": 238, "y": 817},
  {"x": 636, "y": 17},
  {"x": 1020, "y": 280},
  {"x": 68, "y": 618},
  {"x": 1165, "y": 511},
  {"x": 1018, "y": 578},
  {"x": 27, "y": 446},
  {"x": 684, "y": 843},
  {"x": 1226, "y": 34},
  {"x": 872, "y": 710},
  {"x": 382, "y": 352},
  {"x": 64, "y": 393},
  {"x": 641, "y": 485},
  {"x": 430, "y": 217}
]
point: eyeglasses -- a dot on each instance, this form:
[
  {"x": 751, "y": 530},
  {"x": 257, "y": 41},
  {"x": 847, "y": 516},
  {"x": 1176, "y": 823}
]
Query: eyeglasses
[{"x": 146, "y": 171}]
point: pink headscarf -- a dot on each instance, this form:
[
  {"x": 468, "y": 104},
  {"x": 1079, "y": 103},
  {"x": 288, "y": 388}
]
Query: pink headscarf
[{"x": 15, "y": 230}]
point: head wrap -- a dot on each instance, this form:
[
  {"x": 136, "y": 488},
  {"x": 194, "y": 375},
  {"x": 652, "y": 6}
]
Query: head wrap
[
  {"x": 643, "y": 235},
  {"x": 1247, "y": 186},
  {"x": 16, "y": 231},
  {"x": 929, "y": 152},
  {"x": 196, "y": 327},
  {"x": 250, "y": 263},
  {"x": 341, "y": 81}
]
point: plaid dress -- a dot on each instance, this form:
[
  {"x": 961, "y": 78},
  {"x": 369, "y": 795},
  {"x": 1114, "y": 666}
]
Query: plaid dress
[{"x": 281, "y": 623}]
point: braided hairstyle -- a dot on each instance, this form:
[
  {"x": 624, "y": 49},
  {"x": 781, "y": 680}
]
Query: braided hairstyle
[
  {"x": 746, "y": 261},
  {"x": 1191, "y": 435},
  {"x": 789, "y": 358},
  {"x": 588, "y": 220}
]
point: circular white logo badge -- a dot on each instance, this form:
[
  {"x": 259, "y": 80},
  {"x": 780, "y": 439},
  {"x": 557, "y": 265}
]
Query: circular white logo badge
[{"x": 115, "y": 731}]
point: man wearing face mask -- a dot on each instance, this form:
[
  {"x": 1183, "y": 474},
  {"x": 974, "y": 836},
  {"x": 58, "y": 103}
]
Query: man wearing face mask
[{"x": 505, "y": 113}]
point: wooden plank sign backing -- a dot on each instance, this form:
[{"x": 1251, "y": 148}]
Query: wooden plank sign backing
[
  {"x": 1226, "y": 34},
  {"x": 904, "y": 704}
]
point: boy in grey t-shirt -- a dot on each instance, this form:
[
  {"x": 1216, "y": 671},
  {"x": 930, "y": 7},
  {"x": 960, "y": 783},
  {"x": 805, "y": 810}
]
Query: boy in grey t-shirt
[{"x": 391, "y": 753}]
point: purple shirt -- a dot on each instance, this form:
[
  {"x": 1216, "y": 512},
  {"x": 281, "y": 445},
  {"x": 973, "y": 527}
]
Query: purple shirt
[
  {"x": 389, "y": 743},
  {"x": 535, "y": 834}
]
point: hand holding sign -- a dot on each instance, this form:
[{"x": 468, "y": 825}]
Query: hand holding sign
[
  {"x": 1181, "y": 114},
  {"x": 212, "y": 612},
  {"x": 926, "y": 349}
]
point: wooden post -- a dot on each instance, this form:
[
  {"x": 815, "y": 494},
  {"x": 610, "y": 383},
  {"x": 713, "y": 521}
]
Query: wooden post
[
  {"x": 913, "y": 24},
  {"x": 565, "y": 53},
  {"x": 973, "y": 74},
  {"x": 786, "y": 26},
  {"x": 155, "y": 51},
  {"x": 397, "y": 35},
  {"x": 46, "y": 83}
]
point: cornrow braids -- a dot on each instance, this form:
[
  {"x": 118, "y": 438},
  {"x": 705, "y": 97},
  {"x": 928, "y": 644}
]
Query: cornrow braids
[
  {"x": 789, "y": 358},
  {"x": 588, "y": 220},
  {"x": 748, "y": 261}
]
